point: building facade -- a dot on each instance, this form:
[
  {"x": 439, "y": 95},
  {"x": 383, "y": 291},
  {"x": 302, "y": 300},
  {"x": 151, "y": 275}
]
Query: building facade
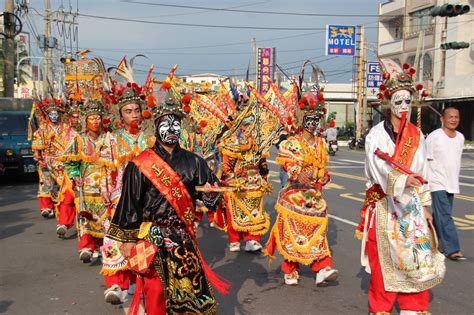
[{"x": 448, "y": 75}]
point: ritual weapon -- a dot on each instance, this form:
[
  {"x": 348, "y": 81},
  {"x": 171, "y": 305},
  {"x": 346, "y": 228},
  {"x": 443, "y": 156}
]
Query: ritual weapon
[{"x": 387, "y": 158}]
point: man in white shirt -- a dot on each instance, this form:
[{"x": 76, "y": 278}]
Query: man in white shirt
[{"x": 445, "y": 147}]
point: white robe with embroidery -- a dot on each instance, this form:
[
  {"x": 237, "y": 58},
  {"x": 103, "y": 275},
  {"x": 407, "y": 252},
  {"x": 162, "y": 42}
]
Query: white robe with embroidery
[{"x": 407, "y": 246}]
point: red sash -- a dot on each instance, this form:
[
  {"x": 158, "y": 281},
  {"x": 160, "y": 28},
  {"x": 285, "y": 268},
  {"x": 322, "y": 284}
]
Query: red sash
[
  {"x": 407, "y": 145},
  {"x": 169, "y": 184}
]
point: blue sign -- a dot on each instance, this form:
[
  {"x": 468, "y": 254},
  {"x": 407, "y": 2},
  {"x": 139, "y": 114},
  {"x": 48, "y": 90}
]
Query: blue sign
[
  {"x": 373, "y": 78},
  {"x": 340, "y": 40}
]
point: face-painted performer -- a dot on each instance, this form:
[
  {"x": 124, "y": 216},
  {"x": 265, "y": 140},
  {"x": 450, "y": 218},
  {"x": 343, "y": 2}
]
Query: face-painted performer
[
  {"x": 48, "y": 144},
  {"x": 127, "y": 141},
  {"x": 158, "y": 200},
  {"x": 398, "y": 248},
  {"x": 86, "y": 162},
  {"x": 300, "y": 230},
  {"x": 242, "y": 165}
]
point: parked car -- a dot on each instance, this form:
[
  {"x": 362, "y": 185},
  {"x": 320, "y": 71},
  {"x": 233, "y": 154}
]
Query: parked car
[{"x": 16, "y": 155}]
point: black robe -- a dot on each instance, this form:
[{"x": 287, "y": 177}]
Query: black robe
[{"x": 177, "y": 263}]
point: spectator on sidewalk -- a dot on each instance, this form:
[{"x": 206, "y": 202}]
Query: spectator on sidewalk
[{"x": 445, "y": 147}]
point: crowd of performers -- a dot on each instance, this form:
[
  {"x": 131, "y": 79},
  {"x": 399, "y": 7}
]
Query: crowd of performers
[{"x": 135, "y": 168}]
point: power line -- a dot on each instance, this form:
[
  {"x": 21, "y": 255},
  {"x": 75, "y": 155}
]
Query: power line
[
  {"x": 144, "y": 51},
  {"x": 255, "y": 11},
  {"x": 204, "y": 25},
  {"x": 322, "y": 29}
]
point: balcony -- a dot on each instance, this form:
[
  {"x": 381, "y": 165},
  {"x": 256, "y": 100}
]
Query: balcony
[
  {"x": 389, "y": 9},
  {"x": 390, "y": 48}
]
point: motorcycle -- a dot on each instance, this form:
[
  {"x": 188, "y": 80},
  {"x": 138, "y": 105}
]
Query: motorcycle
[
  {"x": 357, "y": 144},
  {"x": 333, "y": 147}
]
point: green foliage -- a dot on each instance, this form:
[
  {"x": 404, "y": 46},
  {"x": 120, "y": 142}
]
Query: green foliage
[
  {"x": 331, "y": 116},
  {"x": 22, "y": 75}
]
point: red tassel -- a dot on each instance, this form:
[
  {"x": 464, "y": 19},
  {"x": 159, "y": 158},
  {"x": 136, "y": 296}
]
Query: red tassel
[
  {"x": 137, "y": 297},
  {"x": 271, "y": 245}
]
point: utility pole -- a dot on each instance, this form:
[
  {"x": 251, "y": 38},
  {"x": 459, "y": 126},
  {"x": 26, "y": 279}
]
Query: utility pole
[
  {"x": 360, "y": 80},
  {"x": 9, "y": 75},
  {"x": 48, "y": 69},
  {"x": 254, "y": 59}
]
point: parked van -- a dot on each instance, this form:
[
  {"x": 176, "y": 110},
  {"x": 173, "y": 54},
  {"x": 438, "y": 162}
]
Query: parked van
[{"x": 16, "y": 155}]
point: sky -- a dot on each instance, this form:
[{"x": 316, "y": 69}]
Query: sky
[{"x": 225, "y": 51}]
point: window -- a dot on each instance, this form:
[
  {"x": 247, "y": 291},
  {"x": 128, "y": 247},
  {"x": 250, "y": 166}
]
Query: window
[
  {"x": 421, "y": 19},
  {"x": 13, "y": 124}
]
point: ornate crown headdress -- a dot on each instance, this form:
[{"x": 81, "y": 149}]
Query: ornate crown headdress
[
  {"x": 396, "y": 79},
  {"x": 313, "y": 104},
  {"x": 93, "y": 107},
  {"x": 73, "y": 106},
  {"x": 48, "y": 105}
]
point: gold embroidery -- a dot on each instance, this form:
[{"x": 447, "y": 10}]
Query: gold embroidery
[
  {"x": 158, "y": 170},
  {"x": 117, "y": 233},
  {"x": 392, "y": 179},
  {"x": 189, "y": 215},
  {"x": 166, "y": 180},
  {"x": 176, "y": 193}
]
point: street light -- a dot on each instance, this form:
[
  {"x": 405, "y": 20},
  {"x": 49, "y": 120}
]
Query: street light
[
  {"x": 39, "y": 68},
  {"x": 19, "y": 63}
]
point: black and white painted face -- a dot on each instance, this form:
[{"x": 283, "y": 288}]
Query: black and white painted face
[
  {"x": 53, "y": 116},
  {"x": 310, "y": 123},
  {"x": 168, "y": 129},
  {"x": 401, "y": 102}
]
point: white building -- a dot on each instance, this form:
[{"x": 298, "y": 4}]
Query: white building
[
  {"x": 210, "y": 78},
  {"x": 447, "y": 75}
]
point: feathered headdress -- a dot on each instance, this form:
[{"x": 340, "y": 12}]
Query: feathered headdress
[{"x": 169, "y": 99}]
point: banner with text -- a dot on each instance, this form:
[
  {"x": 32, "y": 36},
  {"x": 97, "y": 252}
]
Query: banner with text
[{"x": 265, "y": 68}]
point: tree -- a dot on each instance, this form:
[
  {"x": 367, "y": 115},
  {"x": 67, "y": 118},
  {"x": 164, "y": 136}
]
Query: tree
[{"x": 22, "y": 75}]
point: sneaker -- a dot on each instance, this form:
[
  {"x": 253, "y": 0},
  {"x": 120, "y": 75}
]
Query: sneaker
[
  {"x": 61, "y": 230},
  {"x": 292, "y": 278},
  {"x": 234, "y": 247},
  {"x": 85, "y": 255},
  {"x": 131, "y": 288},
  {"x": 212, "y": 224},
  {"x": 96, "y": 255},
  {"x": 252, "y": 246},
  {"x": 113, "y": 295},
  {"x": 45, "y": 212},
  {"x": 51, "y": 214},
  {"x": 326, "y": 275}
]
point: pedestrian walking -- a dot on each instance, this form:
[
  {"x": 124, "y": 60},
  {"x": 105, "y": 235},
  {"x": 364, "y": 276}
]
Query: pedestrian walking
[{"x": 445, "y": 146}]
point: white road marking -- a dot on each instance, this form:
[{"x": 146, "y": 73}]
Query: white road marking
[
  {"x": 465, "y": 176},
  {"x": 342, "y": 220},
  {"x": 466, "y": 184},
  {"x": 337, "y": 162},
  {"x": 352, "y": 161}
]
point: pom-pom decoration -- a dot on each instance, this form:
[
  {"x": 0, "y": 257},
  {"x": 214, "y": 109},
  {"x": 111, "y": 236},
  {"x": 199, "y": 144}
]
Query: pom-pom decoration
[{"x": 146, "y": 114}]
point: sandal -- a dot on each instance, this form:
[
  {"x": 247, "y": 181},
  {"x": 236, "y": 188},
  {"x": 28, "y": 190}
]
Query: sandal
[{"x": 457, "y": 256}]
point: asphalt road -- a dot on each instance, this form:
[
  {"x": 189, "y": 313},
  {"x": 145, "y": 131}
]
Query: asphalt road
[{"x": 41, "y": 274}]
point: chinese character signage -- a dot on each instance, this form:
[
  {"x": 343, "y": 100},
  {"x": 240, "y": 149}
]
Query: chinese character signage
[
  {"x": 265, "y": 67},
  {"x": 340, "y": 40},
  {"x": 374, "y": 77}
]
